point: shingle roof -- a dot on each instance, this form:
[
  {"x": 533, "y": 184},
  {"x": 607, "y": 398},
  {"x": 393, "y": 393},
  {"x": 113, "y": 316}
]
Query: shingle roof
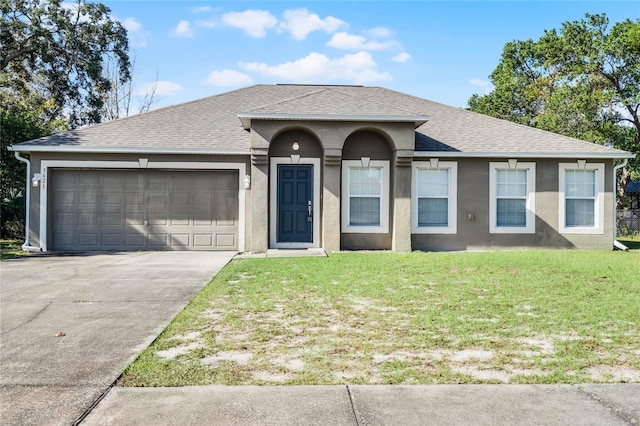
[{"x": 212, "y": 124}]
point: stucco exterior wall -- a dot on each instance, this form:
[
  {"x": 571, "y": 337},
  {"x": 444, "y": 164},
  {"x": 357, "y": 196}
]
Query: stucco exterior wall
[
  {"x": 338, "y": 141},
  {"x": 473, "y": 212},
  {"x": 388, "y": 141}
]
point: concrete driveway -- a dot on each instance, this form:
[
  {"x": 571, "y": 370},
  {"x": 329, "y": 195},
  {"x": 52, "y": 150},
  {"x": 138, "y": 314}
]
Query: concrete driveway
[{"x": 69, "y": 325}]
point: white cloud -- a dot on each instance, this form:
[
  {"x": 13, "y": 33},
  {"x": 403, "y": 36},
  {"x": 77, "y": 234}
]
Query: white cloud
[
  {"x": 358, "y": 68},
  {"x": 183, "y": 29},
  {"x": 379, "y": 32},
  {"x": 483, "y": 84},
  {"x": 226, "y": 78},
  {"x": 253, "y": 22},
  {"x": 300, "y": 22},
  {"x": 478, "y": 82},
  {"x": 401, "y": 57},
  {"x": 348, "y": 41},
  {"x": 132, "y": 25},
  {"x": 206, "y": 24},
  {"x": 201, "y": 9},
  {"x": 135, "y": 31},
  {"x": 162, "y": 88}
]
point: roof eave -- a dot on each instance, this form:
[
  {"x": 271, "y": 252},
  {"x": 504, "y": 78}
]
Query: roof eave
[
  {"x": 246, "y": 117},
  {"x": 576, "y": 155},
  {"x": 125, "y": 150}
]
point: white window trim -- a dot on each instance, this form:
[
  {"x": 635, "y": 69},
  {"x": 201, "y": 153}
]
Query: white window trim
[
  {"x": 452, "y": 226},
  {"x": 142, "y": 163},
  {"x": 530, "y": 203},
  {"x": 384, "y": 197},
  {"x": 598, "y": 219}
]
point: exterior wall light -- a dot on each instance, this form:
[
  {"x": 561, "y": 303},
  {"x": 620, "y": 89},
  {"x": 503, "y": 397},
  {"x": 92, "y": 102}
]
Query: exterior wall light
[
  {"x": 295, "y": 146},
  {"x": 247, "y": 182},
  {"x": 37, "y": 177}
]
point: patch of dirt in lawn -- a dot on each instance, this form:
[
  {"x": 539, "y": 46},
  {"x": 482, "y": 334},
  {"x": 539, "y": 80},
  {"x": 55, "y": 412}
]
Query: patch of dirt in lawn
[
  {"x": 183, "y": 349},
  {"x": 269, "y": 377},
  {"x": 185, "y": 343},
  {"x": 467, "y": 355},
  {"x": 357, "y": 341},
  {"x": 616, "y": 373},
  {"x": 240, "y": 358},
  {"x": 397, "y": 356}
]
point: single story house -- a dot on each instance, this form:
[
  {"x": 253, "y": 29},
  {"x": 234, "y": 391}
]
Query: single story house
[{"x": 304, "y": 166}]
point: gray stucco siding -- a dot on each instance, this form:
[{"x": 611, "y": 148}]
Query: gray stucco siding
[{"x": 473, "y": 201}]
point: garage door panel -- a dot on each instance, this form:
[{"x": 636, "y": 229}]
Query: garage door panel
[
  {"x": 134, "y": 240},
  {"x": 65, "y": 218},
  {"x": 133, "y": 219},
  {"x": 89, "y": 198},
  {"x": 225, "y": 240},
  {"x": 112, "y": 240},
  {"x": 180, "y": 240},
  {"x": 202, "y": 240},
  {"x": 157, "y": 241},
  {"x": 179, "y": 220},
  {"x": 88, "y": 239},
  {"x": 144, "y": 209},
  {"x": 157, "y": 219},
  {"x": 64, "y": 239},
  {"x": 112, "y": 219},
  {"x": 91, "y": 219}
]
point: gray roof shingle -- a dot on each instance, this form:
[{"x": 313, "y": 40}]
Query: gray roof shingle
[{"x": 212, "y": 124}]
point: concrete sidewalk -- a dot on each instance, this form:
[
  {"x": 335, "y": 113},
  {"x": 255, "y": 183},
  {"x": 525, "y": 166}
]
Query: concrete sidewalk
[
  {"x": 69, "y": 325},
  {"x": 601, "y": 405}
]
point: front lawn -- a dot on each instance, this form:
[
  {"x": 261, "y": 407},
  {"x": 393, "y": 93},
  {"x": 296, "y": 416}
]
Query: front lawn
[
  {"x": 10, "y": 249},
  {"x": 388, "y": 318}
]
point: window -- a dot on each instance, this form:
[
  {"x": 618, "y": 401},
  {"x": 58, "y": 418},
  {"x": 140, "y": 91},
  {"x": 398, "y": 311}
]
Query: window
[
  {"x": 512, "y": 197},
  {"x": 365, "y": 196},
  {"x": 581, "y": 198},
  {"x": 434, "y": 197}
]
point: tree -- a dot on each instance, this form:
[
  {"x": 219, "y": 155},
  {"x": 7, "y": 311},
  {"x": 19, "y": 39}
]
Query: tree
[
  {"x": 57, "y": 49},
  {"x": 52, "y": 56},
  {"x": 580, "y": 81},
  {"x": 117, "y": 102},
  {"x": 20, "y": 120}
]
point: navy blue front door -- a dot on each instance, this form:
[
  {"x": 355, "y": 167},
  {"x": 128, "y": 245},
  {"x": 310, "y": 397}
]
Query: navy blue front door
[{"x": 295, "y": 208}]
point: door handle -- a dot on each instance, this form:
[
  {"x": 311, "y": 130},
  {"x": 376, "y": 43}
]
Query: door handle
[{"x": 309, "y": 210}]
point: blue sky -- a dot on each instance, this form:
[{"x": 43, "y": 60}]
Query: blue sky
[{"x": 439, "y": 50}]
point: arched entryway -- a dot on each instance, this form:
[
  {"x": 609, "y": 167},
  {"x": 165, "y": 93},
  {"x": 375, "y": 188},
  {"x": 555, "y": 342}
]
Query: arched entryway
[{"x": 294, "y": 175}]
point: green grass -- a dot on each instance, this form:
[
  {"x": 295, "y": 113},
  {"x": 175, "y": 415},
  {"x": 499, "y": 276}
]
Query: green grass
[
  {"x": 10, "y": 249},
  {"x": 374, "y": 318},
  {"x": 631, "y": 241}
]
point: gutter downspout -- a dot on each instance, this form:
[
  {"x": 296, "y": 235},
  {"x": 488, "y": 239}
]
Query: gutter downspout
[
  {"x": 617, "y": 244},
  {"x": 27, "y": 229}
]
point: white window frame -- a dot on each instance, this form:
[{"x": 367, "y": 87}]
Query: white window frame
[
  {"x": 383, "y": 228},
  {"x": 452, "y": 226},
  {"x": 598, "y": 219},
  {"x": 530, "y": 203}
]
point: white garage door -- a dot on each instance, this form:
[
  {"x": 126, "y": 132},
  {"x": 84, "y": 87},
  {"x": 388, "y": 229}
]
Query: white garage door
[{"x": 144, "y": 210}]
